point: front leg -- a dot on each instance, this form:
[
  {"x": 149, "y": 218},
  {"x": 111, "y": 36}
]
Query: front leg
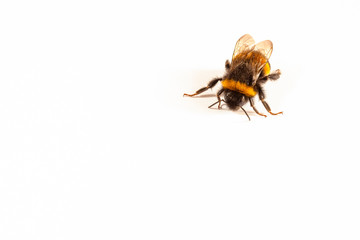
[{"x": 219, "y": 99}]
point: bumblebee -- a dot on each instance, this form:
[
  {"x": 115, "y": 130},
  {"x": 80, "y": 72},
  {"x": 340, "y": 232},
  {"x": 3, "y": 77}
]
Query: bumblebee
[{"x": 245, "y": 76}]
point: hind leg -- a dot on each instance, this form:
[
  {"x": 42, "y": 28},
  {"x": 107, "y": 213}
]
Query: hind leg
[
  {"x": 227, "y": 65},
  {"x": 266, "y": 105},
  {"x": 251, "y": 100},
  {"x": 272, "y": 76},
  {"x": 211, "y": 84}
]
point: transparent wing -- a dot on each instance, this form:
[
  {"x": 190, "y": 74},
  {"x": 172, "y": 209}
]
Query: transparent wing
[
  {"x": 242, "y": 44},
  {"x": 264, "y": 47}
]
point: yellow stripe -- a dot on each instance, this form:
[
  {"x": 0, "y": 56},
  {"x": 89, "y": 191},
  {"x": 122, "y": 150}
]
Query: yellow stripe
[
  {"x": 266, "y": 69},
  {"x": 239, "y": 87}
]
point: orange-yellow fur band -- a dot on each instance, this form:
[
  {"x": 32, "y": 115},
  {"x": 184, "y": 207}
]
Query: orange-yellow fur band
[{"x": 239, "y": 87}]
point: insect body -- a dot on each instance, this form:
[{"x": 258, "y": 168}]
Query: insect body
[{"x": 245, "y": 76}]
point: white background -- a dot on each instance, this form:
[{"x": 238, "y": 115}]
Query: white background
[{"x": 97, "y": 141}]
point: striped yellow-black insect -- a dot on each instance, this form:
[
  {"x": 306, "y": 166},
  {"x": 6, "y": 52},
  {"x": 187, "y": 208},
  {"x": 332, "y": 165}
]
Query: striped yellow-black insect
[{"x": 245, "y": 76}]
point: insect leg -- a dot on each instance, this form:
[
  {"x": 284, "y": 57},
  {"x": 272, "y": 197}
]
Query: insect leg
[
  {"x": 272, "y": 76},
  {"x": 219, "y": 100},
  {"x": 216, "y": 103},
  {"x": 253, "y": 106},
  {"x": 211, "y": 84},
  {"x": 227, "y": 65},
  {"x": 266, "y": 105},
  {"x": 218, "y": 97}
]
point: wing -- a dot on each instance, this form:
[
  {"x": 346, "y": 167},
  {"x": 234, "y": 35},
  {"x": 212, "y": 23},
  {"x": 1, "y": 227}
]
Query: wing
[
  {"x": 265, "y": 48},
  {"x": 261, "y": 55},
  {"x": 242, "y": 44}
]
